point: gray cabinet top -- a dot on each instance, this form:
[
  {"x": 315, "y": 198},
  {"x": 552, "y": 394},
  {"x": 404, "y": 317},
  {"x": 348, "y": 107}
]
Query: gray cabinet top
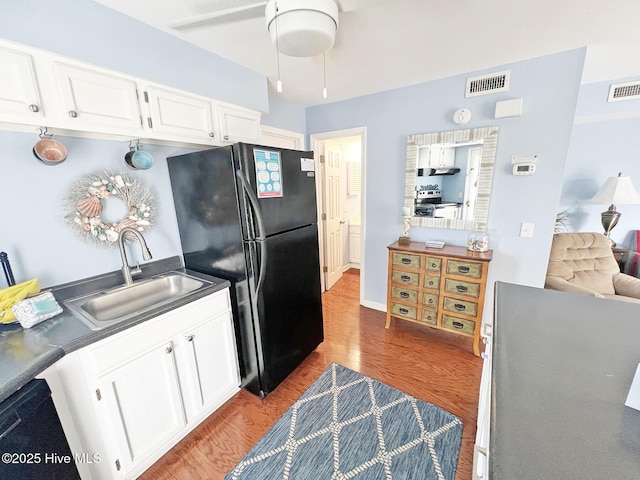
[{"x": 562, "y": 367}]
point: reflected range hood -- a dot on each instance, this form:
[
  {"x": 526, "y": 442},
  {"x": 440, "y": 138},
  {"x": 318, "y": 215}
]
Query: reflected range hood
[{"x": 429, "y": 172}]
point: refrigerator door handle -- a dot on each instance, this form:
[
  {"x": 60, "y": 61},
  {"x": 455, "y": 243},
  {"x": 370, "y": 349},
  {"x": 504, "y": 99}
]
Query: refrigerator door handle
[{"x": 260, "y": 238}]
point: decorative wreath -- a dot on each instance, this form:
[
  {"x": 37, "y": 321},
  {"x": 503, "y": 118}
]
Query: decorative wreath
[{"x": 85, "y": 199}]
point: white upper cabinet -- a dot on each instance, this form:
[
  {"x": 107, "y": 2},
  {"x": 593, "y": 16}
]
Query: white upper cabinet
[
  {"x": 19, "y": 93},
  {"x": 237, "y": 124},
  {"x": 175, "y": 114},
  {"x": 94, "y": 99}
]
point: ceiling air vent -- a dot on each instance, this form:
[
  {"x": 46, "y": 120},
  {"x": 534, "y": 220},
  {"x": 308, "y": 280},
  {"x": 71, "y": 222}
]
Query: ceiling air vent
[
  {"x": 486, "y": 84},
  {"x": 624, "y": 91}
]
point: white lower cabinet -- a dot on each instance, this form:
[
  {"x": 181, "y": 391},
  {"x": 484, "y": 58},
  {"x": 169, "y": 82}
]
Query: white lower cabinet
[
  {"x": 481, "y": 447},
  {"x": 131, "y": 397}
]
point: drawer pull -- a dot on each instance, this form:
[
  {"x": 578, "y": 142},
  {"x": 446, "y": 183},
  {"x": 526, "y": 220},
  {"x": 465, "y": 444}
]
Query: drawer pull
[
  {"x": 404, "y": 311},
  {"x": 461, "y": 288},
  {"x": 434, "y": 265},
  {"x": 431, "y": 283},
  {"x": 405, "y": 278},
  {"x": 431, "y": 300},
  {"x": 460, "y": 307},
  {"x": 463, "y": 269},
  {"x": 458, "y": 325},
  {"x": 404, "y": 294},
  {"x": 406, "y": 261}
]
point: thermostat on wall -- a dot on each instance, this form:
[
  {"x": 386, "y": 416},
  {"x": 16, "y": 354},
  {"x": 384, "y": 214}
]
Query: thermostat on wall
[{"x": 524, "y": 169}]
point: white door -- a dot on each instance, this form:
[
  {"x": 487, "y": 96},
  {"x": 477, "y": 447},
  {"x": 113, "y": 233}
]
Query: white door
[
  {"x": 179, "y": 114},
  {"x": 333, "y": 212},
  {"x": 19, "y": 94},
  {"x": 95, "y": 99},
  {"x": 471, "y": 183},
  {"x": 144, "y": 404},
  {"x": 237, "y": 124}
]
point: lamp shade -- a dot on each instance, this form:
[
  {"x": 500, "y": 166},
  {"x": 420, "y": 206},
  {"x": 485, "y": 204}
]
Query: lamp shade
[
  {"x": 617, "y": 190},
  {"x": 302, "y": 28}
]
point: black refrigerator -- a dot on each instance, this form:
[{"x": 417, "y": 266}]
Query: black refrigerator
[{"x": 247, "y": 213}]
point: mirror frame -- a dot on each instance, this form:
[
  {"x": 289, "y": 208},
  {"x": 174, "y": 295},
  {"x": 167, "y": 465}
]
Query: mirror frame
[{"x": 489, "y": 138}]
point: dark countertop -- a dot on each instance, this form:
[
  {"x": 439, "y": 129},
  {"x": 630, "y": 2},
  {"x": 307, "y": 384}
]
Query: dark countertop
[
  {"x": 25, "y": 353},
  {"x": 562, "y": 368}
]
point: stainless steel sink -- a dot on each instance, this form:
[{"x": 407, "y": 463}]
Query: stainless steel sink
[{"x": 101, "y": 309}]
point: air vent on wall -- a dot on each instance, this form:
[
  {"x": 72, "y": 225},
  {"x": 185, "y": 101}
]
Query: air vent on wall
[
  {"x": 624, "y": 91},
  {"x": 486, "y": 84}
]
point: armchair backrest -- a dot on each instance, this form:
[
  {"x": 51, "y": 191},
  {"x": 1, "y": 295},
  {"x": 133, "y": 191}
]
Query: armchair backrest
[{"x": 584, "y": 259}]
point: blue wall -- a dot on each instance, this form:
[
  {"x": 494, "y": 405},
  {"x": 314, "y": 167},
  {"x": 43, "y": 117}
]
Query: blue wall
[
  {"x": 549, "y": 86},
  {"x": 604, "y": 141}
]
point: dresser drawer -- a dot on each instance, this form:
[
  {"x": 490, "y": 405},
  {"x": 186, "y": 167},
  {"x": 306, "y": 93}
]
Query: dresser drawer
[
  {"x": 466, "y": 269},
  {"x": 429, "y": 316},
  {"x": 406, "y": 259},
  {"x": 458, "y": 324},
  {"x": 407, "y": 278},
  {"x": 433, "y": 263},
  {"x": 430, "y": 300},
  {"x": 460, "y": 306},
  {"x": 405, "y": 294},
  {"x": 431, "y": 281},
  {"x": 404, "y": 311},
  {"x": 461, "y": 287}
]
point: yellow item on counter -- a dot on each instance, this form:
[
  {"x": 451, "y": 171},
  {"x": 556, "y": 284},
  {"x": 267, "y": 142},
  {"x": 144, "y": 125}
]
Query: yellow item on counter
[{"x": 12, "y": 295}]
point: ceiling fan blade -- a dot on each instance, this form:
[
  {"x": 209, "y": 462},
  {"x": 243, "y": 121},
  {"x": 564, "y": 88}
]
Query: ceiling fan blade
[{"x": 245, "y": 12}]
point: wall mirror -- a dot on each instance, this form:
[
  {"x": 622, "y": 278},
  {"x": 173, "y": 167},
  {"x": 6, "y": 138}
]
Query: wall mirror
[{"x": 449, "y": 176}]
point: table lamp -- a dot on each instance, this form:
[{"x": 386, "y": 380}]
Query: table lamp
[{"x": 616, "y": 190}]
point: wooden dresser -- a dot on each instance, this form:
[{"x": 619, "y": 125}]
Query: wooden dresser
[{"x": 441, "y": 288}]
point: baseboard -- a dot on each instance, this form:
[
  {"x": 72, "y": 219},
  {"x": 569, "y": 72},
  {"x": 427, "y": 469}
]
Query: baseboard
[
  {"x": 375, "y": 305},
  {"x": 349, "y": 266}
]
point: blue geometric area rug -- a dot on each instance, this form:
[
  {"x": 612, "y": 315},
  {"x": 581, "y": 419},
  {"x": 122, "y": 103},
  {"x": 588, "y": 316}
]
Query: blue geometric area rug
[{"x": 348, "y": 426}]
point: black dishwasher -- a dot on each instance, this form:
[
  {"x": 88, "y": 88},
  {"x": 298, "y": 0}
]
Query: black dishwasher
[{"x": 32, "y": 442}]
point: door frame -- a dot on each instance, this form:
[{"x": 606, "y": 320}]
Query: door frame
[{"x": 317, "y": 145}]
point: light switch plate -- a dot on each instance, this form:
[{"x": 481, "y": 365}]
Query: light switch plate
[
  {"x": 633, "y": 399},
  {"x": 526, "y": 230}
]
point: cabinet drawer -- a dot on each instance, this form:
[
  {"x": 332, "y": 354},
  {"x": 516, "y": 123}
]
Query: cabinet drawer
[
  {"x": 406, "y": 259},
  {"x": 458, "y": 324},
  {"x": 461, "y": 287},
  {"x": 408, "y": 278},
  {"x": 460, "y": 306},
  {"x": 432, "y": 263},
  {"x": 431, "y": 282},
  {"x": 430, "y": 300},
  {"x": 404, "y": 311},
  {"x": 429, "y": 316},
  {"x": 466, "y": 269},
  {"x": 405, "y": 294}
]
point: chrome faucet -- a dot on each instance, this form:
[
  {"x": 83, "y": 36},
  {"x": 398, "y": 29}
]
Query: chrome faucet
[{"x": 127, "y": 271}]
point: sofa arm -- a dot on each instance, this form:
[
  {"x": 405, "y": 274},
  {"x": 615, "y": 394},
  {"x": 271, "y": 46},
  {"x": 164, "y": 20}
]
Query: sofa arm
[
  {"x": 557, "y": 283},
  {"x": 626, "y": 285}
]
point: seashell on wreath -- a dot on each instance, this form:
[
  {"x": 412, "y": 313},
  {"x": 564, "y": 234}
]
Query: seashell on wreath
[{"x": 89, "y": 206}]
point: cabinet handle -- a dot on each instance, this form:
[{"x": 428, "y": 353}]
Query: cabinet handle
[
  {"x": 463, "y": 269},
  {"x": 404, "y": 311},
  {"x": 73, "y": 113},
  {"x": 430, "y": 300},
  {"x": 431, "y": 283},
  {"x": 404, "y": 294},
  {"x": 406, "y": 261},
  {"x": 459, "y": 307},
  {"x": 461, "y": 288},
  {"x": 226, "y": 137},
  {"x": 458, "y": 325},
  {"x": 405, "y": 278},
  {"x": 189, "y": 338},
  {"x": 434, "y": 265},
  {"x": 168, "y": 350},
  {"x": 211, "y": 134},
  {"x": 34, "y": 108}
]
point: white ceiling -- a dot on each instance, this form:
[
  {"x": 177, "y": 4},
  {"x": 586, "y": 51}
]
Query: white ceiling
[{"x": 385, "y": 44}]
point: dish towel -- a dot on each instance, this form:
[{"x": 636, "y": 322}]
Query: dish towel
[{"x": 34, "y": 310}]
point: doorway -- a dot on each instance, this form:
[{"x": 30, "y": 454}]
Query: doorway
[{"x": 340, "y": 189}]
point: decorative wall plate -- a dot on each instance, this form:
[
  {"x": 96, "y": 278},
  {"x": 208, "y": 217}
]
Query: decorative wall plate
[{"x": 86, "y": 198}]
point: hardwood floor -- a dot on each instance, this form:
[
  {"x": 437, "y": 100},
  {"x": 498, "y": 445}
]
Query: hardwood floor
[{"x": 428, "y": 364}]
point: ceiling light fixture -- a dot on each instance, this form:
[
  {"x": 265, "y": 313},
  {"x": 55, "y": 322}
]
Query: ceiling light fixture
[{"x": 302, "y": 28}]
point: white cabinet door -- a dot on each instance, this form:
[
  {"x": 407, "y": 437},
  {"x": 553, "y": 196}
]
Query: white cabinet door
[
  {"x": 237, "y": 124},
  {"x": 19, "y": 93},
  {"x": 210, "y": 365},
  {"x": 179, "y": 114},
  {"x": 144, "y": 404},
  {"x": 96, "y": 100},
  {"x": 279, "y": 138}
]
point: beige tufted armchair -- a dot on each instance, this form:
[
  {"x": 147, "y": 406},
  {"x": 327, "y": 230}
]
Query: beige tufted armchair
[{"x": 583, "y": 263}]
